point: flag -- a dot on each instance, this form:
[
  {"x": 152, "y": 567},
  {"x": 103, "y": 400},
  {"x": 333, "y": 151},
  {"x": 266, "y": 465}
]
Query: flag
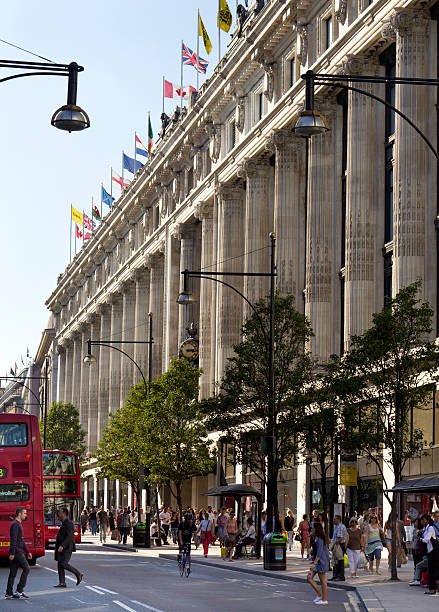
[
  {"x": 118, "y": 179},
  {"x": 27, "y": 354},
  {"x": 190, "y": 59},
  {"x": 150, "y": 136},
  {"x": 140, "y": 148},
  {"x": 12, "y": 372},
  {"x": 76, "y": 216},
  {"x": 89, "y": 224},
  {"x": 96, "y": 213},
  {"x": 130, "y": 164},
  {"x": 78, "y": 232},
  {"x": 224, "y": 16},
  {"x": 87, "y": 236},
  {"x": 15, "y": 368},
  {"x": 22, "y": 360},
  {"x": 203, "y": 32},
  {"x": 106, "y": 197},
  {"x": 174, "y": 91}
]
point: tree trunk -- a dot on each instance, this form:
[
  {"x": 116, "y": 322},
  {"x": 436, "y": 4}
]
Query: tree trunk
[
  {"x": 393, "y": 568},
  {"x": 179, "y": 501},
  {"x": 324, "y": 480}
]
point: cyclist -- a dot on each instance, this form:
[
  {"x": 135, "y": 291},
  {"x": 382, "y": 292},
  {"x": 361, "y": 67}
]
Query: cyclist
[{"x": 186, "y": 530}]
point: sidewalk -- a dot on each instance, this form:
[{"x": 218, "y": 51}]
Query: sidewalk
[{"x": 374, "y": 591}]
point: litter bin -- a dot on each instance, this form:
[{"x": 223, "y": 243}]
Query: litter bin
[
  {"x": 139, "y": 535},
  {"x": 275, "y": 552}
]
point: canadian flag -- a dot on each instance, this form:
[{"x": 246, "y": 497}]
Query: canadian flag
[
  {"x": 174, "y": 91},
  {"x": 78, "y": 232}
]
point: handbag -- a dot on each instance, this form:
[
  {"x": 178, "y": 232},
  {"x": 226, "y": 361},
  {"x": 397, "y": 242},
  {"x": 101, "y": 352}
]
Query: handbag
[
  {"x": 203, "y": 535},
  {"x": 115, "y": 534},
  {"x": 401, "y": 557}
]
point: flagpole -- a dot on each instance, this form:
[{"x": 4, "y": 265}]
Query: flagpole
[
  {"x": 219, "y": 32},
  {"x": 122, "y": 172},
  {"x": 181, "y": 76},
  {"x": 102, "y": 187},
  {"x": 198, "y": 47},
  {"x": 83, "y": 232},
  {"x": 149, "y": 123},
  {"x": 92, "y": 222},
  {"x": 111, "y": 183},
  {"x": 163, "y": 103},
  {"x": 135, "y": 153},
  {"x": 71, "y": 205}
]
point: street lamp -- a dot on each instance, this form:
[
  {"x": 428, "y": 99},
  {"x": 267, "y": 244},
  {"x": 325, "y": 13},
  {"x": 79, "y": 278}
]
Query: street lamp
[
  {"x": 90, "y": 359},
  {"x": 42, "y": 411},
  {"x": 70, "y": 117},
  {"x": 186, "y": 297}
]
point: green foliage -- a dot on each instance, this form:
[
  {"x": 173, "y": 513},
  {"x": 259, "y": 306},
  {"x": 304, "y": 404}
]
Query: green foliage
[
  {"x": 241, "y": 410},
  {"x": 63, "y": 430}
]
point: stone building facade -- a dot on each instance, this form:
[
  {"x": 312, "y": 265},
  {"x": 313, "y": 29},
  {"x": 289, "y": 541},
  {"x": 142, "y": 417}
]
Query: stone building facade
[{"x": 354, "y": 210}]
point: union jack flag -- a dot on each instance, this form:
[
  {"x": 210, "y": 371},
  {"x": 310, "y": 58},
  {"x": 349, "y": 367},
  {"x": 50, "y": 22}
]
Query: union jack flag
[
  {"x": 190, "y": 59},
  {"x": 89, "y": 223}
]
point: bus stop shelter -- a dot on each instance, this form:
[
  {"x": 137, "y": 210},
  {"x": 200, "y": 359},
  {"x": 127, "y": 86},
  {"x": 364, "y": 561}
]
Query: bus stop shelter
[{"x": 237, "y": 491}]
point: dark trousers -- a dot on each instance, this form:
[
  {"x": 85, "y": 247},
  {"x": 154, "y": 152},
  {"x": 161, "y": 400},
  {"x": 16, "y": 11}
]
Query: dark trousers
[
  {"x": 63, "y": 565},
  {"x": 238, "y": 548},
  {"x": 123, "y": 534},
  {"x": 433, "y": 567},
  {"x": 338, "y": 569},
  {"x": 19, "y": 560}
]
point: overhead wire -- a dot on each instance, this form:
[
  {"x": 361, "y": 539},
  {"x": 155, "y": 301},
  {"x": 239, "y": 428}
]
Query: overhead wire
[{"x": 26, "y": 51}]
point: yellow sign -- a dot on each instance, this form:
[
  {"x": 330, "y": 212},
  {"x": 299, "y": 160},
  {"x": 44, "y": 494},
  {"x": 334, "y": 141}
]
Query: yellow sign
[
  {"x": 3, "y": 472},
  {"x": 348, "y": 475},
  {"x": 4, "y": 543}
]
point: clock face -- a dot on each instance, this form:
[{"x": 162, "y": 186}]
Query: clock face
[{"x": 189, "y": 350}]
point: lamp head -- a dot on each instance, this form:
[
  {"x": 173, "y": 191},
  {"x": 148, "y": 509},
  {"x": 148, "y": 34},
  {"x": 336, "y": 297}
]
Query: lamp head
[
  {"x": 310, "y": 123},
  {"x": 70, "y": 118},
  {"x": 185, "y": 298},
  {"x": 89, "y": 359}
]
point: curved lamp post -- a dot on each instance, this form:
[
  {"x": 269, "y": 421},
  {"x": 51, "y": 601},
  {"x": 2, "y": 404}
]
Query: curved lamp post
[
  {"x": 69, "y": 117},
  {"x": 186, "y": 297},
  {"x": 19, "y": 382}
]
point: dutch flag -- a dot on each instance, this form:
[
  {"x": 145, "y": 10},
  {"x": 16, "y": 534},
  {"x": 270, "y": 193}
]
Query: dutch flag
[{"x": 140, "y": 148}]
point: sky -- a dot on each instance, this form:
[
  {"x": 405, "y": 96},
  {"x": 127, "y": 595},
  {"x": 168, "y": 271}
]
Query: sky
[{"x": 126, "y": 49}]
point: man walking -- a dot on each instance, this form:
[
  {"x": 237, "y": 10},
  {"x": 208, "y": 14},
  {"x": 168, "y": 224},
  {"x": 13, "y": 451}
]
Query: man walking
[
  {"x": 338, "y": 543},
  {"x": 103, "y": 524},
  {"x": 17, "y": 558},
  {"x": 64, "y": 547}
]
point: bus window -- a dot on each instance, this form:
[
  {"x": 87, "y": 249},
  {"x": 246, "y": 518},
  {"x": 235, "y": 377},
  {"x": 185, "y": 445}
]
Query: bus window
[
  {"x": 14, "y": 492},
  {"x": 13, "y": 434}
]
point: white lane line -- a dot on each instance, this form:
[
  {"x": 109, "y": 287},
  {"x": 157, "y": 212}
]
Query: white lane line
[
  {"x": 96, "y": 586},
  {"x": 94, "y": 590},
  {"x": 122, "y": 605},
  {"x": 139, "y": 603},
  {"x": 55, "y": 571}
]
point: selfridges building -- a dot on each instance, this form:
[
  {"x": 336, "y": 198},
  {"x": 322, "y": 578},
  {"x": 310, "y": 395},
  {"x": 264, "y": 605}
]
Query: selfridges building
[{"x": 354, "y": 211}]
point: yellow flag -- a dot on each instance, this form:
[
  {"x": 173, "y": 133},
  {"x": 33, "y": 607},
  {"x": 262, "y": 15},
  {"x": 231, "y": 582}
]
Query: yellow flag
[
  {"x": 224, "y": 16},
  {"x": 77, "y": 216},
  {"x": 203, "y": 32}
]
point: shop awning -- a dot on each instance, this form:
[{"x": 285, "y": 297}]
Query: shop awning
[
  {"x": 416, "y": 484},
  {"x": 238, "y": 490}
]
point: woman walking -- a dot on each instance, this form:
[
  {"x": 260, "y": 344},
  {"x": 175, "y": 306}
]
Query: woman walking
[
  {"x": 305, "y": 541},
  {"x": 320, "y": 564},
  {"x": 428, "y": 535},
  {"x": 353, "y": 546},
  {"x": 84, "y": 521},
  {"x": 206, "y": 532},
  {"x": 373, "y": 543},
  {"x": 289, "y": 524}
]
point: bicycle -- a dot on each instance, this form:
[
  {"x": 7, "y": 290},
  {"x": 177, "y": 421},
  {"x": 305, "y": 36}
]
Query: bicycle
[{"x": 184, "y": 561}]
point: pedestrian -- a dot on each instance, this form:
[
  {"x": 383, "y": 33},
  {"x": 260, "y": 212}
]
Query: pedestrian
[
  {"x": 133, "y": 518},
  {"x": 221, "y": 525},
  {"x": 124, "y": 526},
  {"x": 64, "y": 547},
  {"x": 373, "y": 543},
  {"x": 111, "y": 522},
  {"x": 338, "y": 547},
  {"x": 93, "y": 520},
  {"x": 206, "y": 532},
  {"x": 303, "y": 530},
  {"x": 429, "y": 538},
  {"x": 18, "y": 552},
  {"x": 103, "y": 524},
  {"x": 354, "y": 546},
  {"x": 290, "y": 524},
  {"x": 320, "y": 564},
  {"x": 84, "y": 521},
  {"x": 174, "y": 527},
  {"x": 248, "y": 538},
  {"x": 165, "y": 520},
  {"x": 231, "y": 535},
  {"x": 420, "y": 556}
]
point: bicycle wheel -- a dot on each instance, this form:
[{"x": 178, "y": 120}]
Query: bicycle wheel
[
  {"x": 188, "y": 567},
  {"x": 181, "y": 564}
]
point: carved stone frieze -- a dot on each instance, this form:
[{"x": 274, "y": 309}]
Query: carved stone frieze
[
  {"x": 214, "y": 132},
  {"x": 240, "y": 113},
  {"x": 340, "y": 7},
  {"x": 302, "y": 43},
  {"x": 203, "y": 210},
  {"x": 404, "y": 20}
]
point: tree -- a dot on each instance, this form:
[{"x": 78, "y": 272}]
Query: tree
[
  {"x": 241, "y": 410},
  {"x": 176, "y": 445},
  {"x": 63, "y": 429},
  {"x": 387, "y": 372}
]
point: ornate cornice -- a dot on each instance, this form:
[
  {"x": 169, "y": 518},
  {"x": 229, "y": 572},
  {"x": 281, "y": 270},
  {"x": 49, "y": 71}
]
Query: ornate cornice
[
  {"x": 406, "y": 20},
  {"x": 203, "y": 210}
]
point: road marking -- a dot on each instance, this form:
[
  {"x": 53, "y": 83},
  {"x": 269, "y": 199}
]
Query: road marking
[
  {"x": 122, "y": 605},
  {"x": 94, "y": 590},
  {"x": 55, "y": 571},
  {"x": 106, "y": 590},
  {"x": 139, "y": 603}
]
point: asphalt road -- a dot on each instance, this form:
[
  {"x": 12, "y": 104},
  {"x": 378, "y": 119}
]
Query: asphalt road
[{"x": 116, "y": 581}]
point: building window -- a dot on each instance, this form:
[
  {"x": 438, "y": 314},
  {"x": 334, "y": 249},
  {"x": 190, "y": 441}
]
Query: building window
[
  {"x": 260, "y": 106},
  {"x": 232, "y": 135},
  {"x": 388, "y": 195},
  {"x": 328, "y": 32},
  {"x": 388, "y": 275},
  {"x": 292, "y": 71}
]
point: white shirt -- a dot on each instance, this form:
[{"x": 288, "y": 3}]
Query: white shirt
[
  {"x": 165, "y": 518},
  {"x": 251, "y": 532},
  {"x": 211, "y": 516},
  {"x": 427, "y": 534},
  {"x": 206, "y": 525}
]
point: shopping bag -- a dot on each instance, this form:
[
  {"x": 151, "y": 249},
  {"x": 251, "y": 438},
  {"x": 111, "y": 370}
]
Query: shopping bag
[
  {"x": 401, "y": 557},
  {"x": 346, "y": 562},
  {"x": 223, "y": 551},
  {"x": 424, "y": 579},
  {"x": 362, "y": 561},
  {"x": 115, "y": 534}
]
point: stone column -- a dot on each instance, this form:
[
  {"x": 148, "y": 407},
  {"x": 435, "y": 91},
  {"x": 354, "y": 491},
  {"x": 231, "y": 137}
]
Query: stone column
[
  {"x": 322, "y": 222},
  {"x": 141, "y": 322},
  {"x": 363, "y": 201},
  {"x": 156, "y": 308},
  {"x": 289, "y": 212},
  {"x": 204, "y": 212},
  {"x": 171, "y": 288},
  {"x": 95, "y": 491},
  {"x": 115, "y": 334},
  {"x": 69, "y": 370},
  {"x": 104, "y": 310},
  {"x": 93, "y": 386},
  {"x": 231, "y": 241},
  {"x": 85, "y": 376},
  {"x": 106, "y": 505},
  {"x": 61, "y": 373},
  {"x": 77, "y": 368},
  {"x": 117, "y": 502},
  {"x": 189, "y": 259},
  {"x": 411, "y": 179},
  {"x": 128, "y": 335},
  {"x": 258, "y": 225}
]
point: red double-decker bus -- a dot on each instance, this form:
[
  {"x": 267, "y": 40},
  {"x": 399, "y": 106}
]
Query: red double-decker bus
[
  {"x": 21, "y": 480},
  {"x": 61, "y": 488}
]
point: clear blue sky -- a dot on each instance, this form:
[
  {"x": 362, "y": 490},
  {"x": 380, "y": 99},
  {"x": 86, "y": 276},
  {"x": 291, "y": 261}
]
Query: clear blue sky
[{"x": 125, "y": 48}]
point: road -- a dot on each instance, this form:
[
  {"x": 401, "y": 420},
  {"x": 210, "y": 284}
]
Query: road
[{"x": 116, "y": 581}]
